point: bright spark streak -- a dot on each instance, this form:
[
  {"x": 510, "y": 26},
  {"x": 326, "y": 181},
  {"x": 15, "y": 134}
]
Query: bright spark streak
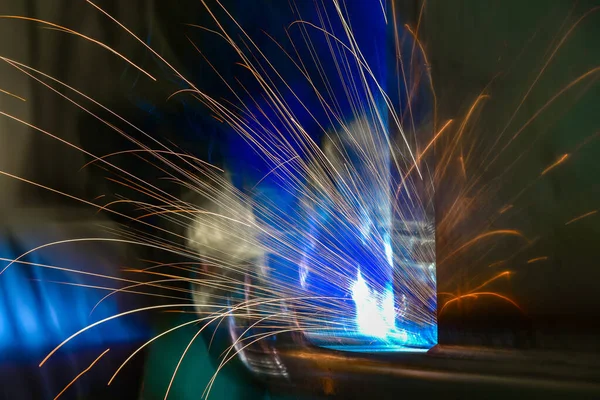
[
  {"x": 582, "y": 217},
  {"x": 533, "y": 260},
  {"x": 555, "y": 164},
  {"x": 81, "y": 373},
  {"x": 13, "y": 95}
]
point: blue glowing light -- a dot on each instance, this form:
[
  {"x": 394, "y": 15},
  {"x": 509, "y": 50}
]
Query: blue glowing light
[
  {"x": 344, "y": 231},
  {"x": 41, "y": 305}
]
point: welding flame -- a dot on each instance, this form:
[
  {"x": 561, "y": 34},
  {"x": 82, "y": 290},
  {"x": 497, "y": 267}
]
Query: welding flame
[{"x": 375, "y": 313}]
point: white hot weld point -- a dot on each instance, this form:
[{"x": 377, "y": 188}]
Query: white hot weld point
[{"x": 375, "y": 313}]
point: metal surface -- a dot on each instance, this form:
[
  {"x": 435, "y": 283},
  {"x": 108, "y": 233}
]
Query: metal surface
[{"x": 450, "y": 372}]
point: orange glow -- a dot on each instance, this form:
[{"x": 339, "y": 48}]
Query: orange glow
[{"x": 328, "y": 386}]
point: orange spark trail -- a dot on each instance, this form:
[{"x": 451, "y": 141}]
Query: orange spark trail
[
  {"x": 484, "y": 235},
  {"x": 497, "y": 263},
  {"x": 555, "y": 164},
  {"x": 462, "y": 166},
  {"x": 500, "y": 275},
  {"x": 544, "y": 258},
  {"x": 582, "y": 216},
  {"x": 12, "y": 94},
  {"x": 443, "y": 128},
  {"x": 67, "y": 30},
  {"x": 81, "y": 373},
  {"x": 474, "y": 295}
]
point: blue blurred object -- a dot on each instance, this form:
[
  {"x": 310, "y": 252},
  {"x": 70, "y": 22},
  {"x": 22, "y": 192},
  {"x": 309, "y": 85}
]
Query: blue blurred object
[{"x": 41, "y": 303}]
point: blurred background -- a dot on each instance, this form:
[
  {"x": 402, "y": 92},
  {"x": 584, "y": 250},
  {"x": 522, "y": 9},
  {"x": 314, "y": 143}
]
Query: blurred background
[{"x": 495, "y": 47}]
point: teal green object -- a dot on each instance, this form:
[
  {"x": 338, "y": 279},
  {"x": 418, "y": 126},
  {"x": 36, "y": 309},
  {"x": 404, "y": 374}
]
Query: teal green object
[{"x": 233, "y": 382}]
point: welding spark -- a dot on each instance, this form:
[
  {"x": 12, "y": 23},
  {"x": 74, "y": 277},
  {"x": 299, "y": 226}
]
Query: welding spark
[
  {"x": 555, "y": 164},
  {"x": 588, "y": 214},
  {"x": 82, "y": 373},
  {"x": 13, "y": 95}
]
